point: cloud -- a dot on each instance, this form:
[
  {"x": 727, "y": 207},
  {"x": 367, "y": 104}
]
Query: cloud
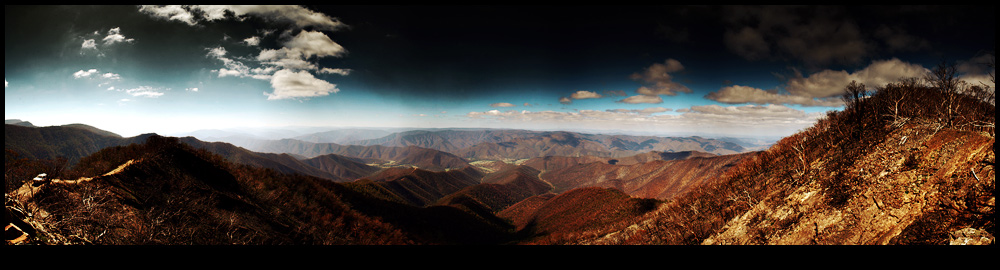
[
  {"x": 658, "y": 81},
  {"x": 646, "y": 111},
  {"x": 814, "y": 35},
  {"x": 897, "y": 39},
  {"x": 111, "y": 76},
  {"x": 338, "y": 71},
  {"x": 526, "y": 104},
  {"x": 144, "y": 91},
  {"x": 89, "y": 44},
  {"x": 84, "y": 74},
  {"x": 288, "y": 67},
  {"x": 579, "y": 95},
  {"x": 298, "y": 16},
  {"x": 830, "y": 83},
  {"x": 5, "y": 83},
  {"x": 252, "y": 41},
  {"x": 640, "y": 99},
  {"x": 289, "y": 84},
  {"x": 314, "y": 44},
  {"x": 170, "y": 12},
  {"x": 565, "y": 100},
  {"x": 115, "y": 36},
  {"x": 193, "y": 89},
  {"x": 585, "y": 95},
  {"x": 767, "y": 119},
  {"x": 738, "y": 94},
  {"x": 502, "y": 105}
]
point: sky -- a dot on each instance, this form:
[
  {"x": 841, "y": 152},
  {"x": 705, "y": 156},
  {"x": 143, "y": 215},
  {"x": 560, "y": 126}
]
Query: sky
[{"x": 711, "y": 70}]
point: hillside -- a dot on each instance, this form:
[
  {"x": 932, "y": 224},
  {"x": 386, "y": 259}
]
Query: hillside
[
  {"x": 499, "y": 191},
  {"x": 70, "y": 142},
  {"x": 396, "y": 156},
  {"x": 911, "y": 163},
  {"x": 167, "y": 192},
  {"x": 656, "y": 179},
  {"x": 549, "y": 219}
]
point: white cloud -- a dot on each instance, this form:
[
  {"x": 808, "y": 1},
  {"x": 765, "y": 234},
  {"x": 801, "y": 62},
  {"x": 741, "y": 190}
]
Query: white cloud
[
  {"x": 111, "y": 76},
  {"x": 299, "y": 16},
  {"x": 502, "y": 105},
  {"x": 5, "y": 83},
  {"x": 252, "y": 41},
  {"x": 144, "y": 91},
  {"x": 289, "y": 84},
  {"x": 585, "y": 95},
  {"x": 313, "y": 43},
  {"x": 84, "y": 74},
  {"x": 738, "y": 94},
  {"x": 642, "y": 99},
  {"x": 338, "y": 71},
  {"x": 659, "y": 81},
  {"x": 830, "y": 83},
  {"x": 193, "y": 89},
  {"x": 90, "y": 44},
  {"x": 170, "y": 12},
  {"x": 565, "y": 100},
  {"x": 115, "y": 36}
]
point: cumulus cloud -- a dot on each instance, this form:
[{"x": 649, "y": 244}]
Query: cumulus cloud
[
  {"x": 659, "y": 81},
  {"x": 111, "y": 76},
  {"x": 585, "y": 95},
  {"x": 115, "y": 36},
  {"x": 252, "y": 41},
  {"x": 145, "y": 91},
  {"x": 565, "y": 100},
  {"x": 579, "y": 95},
  {"x": 641, "y": 99},
  {"x": 170, "y": 12},
  {"x": 289, "y": 84},
  {"x": 738, "y": 94},
  {"x": 5, "y": 83},
  {"x": 298, "y": 16},
  {"x": 502, "y": 105},
  {"x": 830, "y": 83},
  {"x": 292, "y": 66},
  {"x": 89, "y": 44},
  {"x": 84, "y": 73}
]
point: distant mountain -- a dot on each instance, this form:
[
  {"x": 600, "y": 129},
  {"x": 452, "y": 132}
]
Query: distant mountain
[
  {"x": 71, "y": 142},
  {"x": 343, "y": 136},
  {"x": 342, "y": 167},
  {"x": 522, "y": 144},
  {"x": 17, "y": 122},
  {"x": 415, "y": 156}
]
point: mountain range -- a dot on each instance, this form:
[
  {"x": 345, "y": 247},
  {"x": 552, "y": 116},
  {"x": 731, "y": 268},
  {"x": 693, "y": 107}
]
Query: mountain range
[{"x": 894, "y": 168}]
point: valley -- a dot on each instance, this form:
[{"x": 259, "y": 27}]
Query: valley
[{"x": 858, "y": 177}]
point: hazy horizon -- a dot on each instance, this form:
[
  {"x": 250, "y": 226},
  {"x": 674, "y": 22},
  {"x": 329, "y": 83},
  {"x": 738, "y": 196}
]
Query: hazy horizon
[{"x": 738, "y": 71}]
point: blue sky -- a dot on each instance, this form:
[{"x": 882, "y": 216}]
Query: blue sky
[{"x": 736, "y": 70}]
